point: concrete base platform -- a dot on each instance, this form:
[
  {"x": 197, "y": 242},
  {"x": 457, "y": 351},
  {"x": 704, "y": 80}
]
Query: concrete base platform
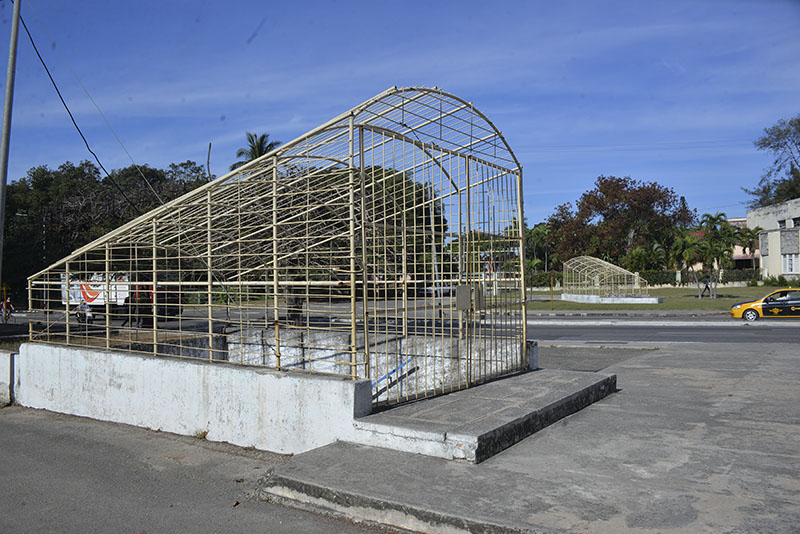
[
  {"x": 391, "y": 488},
  {"x": 375, "y": 485},
  {"x": 477, "y": 423},
  {"x": 597, "y": 299}
]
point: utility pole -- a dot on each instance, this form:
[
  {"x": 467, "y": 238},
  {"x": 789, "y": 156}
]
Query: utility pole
[{"x": 6, "y": 134}]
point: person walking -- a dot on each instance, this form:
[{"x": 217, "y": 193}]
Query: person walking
[
  {"x": 8, "y": 309},
  {"x": 84, "y": 313},
  {"x": 707, "y": 288}
]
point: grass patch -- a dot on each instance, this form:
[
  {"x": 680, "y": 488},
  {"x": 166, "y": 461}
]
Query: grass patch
[{"x": 675, "y": 298}]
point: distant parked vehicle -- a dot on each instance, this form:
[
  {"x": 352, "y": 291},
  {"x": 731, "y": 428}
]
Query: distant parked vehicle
[{"x": 441, "y": 289}]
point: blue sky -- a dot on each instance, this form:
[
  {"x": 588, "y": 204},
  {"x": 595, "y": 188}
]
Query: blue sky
[{"x": 667, "y": 91}]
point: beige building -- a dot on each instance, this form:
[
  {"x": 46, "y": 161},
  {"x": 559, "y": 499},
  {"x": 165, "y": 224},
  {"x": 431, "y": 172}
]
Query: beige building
[
  {"x": 779, "y": 243},
  {"x": 744, "y": 258}
]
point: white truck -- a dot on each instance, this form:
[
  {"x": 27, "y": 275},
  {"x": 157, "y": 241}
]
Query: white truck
[{"x": 94, "y": 290}]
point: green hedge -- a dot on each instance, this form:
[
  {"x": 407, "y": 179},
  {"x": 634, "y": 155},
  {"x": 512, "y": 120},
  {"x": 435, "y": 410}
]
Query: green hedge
[
  {"x": 740, "y": 275},
  {"x": 654, "y": 278},
  {"x": 542, "y": 278},
  {"x": 657, "y": 278}
]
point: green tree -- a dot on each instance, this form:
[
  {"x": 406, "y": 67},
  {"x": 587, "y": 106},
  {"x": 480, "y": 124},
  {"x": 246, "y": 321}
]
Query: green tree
[
  {"x": 538, "y": 246},
  {"x": 615, "y": 217},
  {"x": 257, "y": 146},
  {"x": 187, "y": 176},
  {"x": 51, "y": 212},
  {"x": 716, "y": 248},
  {"x": 783, "y": 141},
  {"x": 645, "y": 257},
  {"x": 685, "y": 253},
  {"x": 748, "y": 239}
]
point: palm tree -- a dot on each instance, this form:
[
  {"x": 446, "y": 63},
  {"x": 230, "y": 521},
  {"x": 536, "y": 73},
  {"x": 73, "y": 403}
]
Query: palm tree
[
  {"x": 748, "y": 238},
  {"x": 719, "y": 239},
  {"x": 685, "y": 252},
  {"x": 257, "y": 146},
  {"x": 538, "y": 239},
  {"x": 644, "y": 257}
]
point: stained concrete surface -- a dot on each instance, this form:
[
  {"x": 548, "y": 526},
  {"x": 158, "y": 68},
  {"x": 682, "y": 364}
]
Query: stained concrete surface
[
  {"x": 67, "y": 474},
  {"x": 478, "y": 422},
  {"x": 701, "y": 438},
  {"x": 586, "y": 358}
]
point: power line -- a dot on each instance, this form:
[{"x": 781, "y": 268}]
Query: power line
[
  {"x": 114, "y": 133},
  {"x": 100, "y": 111},
  {"x": 72, "y": 118}
]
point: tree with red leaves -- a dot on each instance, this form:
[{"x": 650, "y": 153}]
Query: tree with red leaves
[{"x": 618, "y": 216}]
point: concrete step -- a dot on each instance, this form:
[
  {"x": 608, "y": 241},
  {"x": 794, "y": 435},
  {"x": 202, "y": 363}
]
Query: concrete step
[
  {"x": 476, "y": 423},
  {"x": 376, "y": 485},
  {"x": 393, "y": 489}
]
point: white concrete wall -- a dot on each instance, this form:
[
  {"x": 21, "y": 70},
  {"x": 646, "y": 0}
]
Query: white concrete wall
[
  {"x": 438, "y": 363},
  {"x": 768, "y": 216},
  {"x": 6, "y": 377},
  {"x": 597, "y": 299},
  {"x": 269, "y": 410}
]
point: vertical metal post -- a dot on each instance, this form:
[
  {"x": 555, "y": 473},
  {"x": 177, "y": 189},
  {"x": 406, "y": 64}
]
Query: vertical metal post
[
  {"x": 209, "y": 280},
  {"x": 108, "y": 298},
  {"x": 404, "y": 231},
  {"x": 275, "y": 288},
  {"x": 6, "y": 133},
  {"x": 154, "y": 292},
  {"x": 462, "y": 314},
  {"x": 474, "y": 287},
  {"x": 66, "y": 269},
  {"x": 363, "y": 219},
  {"x": 521, "y": 224},
  {"x": 352, "y": 232},
  {"x": 30, "y": 307}
]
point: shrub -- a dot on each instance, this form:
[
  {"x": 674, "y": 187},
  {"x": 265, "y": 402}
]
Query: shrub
[
  {"x": 740, "y": 275},
  {"x": 657, "y": 277},
  {"x": 542, "y": 278},
  {"x": 779, "y": 281}
]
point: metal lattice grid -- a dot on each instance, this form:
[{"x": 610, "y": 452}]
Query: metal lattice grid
[
  {"x": 585, "y": 275},
  {"x": 385, "y": 244}
]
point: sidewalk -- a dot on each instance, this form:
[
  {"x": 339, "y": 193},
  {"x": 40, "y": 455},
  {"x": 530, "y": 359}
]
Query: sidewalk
[
  {"x": 71, "y": 475},
  {"x": 701, "y": 438},
  {"x": 633, "y": 313}
]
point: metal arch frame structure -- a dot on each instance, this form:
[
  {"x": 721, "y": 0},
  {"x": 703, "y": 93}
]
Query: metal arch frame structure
[
  {"x": 385, "y": 244},
  {"x": 587, "y": 275}
]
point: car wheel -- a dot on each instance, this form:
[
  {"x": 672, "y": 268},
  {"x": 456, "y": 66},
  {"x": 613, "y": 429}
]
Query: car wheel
[{"x": 750, "y": 315}]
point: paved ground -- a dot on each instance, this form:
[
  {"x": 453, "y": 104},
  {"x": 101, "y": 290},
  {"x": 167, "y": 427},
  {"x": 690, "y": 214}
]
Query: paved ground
[
  {"x": 700, "y": 438},
  {"x": 69, "y": 474},
  {"x": 620, "y": 332},
  {"x": 476, "y": 423}
]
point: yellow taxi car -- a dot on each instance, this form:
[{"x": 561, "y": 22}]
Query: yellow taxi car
[{"x": 781, "y": 303}]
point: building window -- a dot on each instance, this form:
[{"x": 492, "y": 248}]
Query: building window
[
  {"x": 782, "y": 224},
  {"x": 796, "y": 222},
  {"x": 791, "y": 263}
]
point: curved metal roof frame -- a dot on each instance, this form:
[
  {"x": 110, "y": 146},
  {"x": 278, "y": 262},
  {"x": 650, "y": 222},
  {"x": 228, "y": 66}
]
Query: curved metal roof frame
[
  {"x": 428, "y": 118},
  {"x": 588, "y": 265}
]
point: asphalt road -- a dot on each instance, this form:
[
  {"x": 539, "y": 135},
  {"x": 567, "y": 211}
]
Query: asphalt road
[
  {"x": 624, "y": 331},
  {"x": 67, "y": 474}
]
